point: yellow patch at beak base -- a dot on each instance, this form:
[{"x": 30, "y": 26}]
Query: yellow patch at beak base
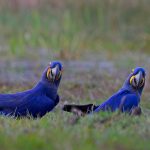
[
  {"x": 131, "y": 79},
  {"x": 48, "y": 72},
  {"x": 142, "y": 83}
]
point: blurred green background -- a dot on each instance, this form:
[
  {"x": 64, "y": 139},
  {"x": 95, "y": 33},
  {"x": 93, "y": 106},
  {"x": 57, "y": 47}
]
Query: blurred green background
[
  {"x": 68, "y": 27},
  {"x": 98, "y": 42}
]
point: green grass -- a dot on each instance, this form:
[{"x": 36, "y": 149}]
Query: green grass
[
  {"x": 57, "y": 130},
  {"x": 92, "y": 31},
  {"x": 102, "y": 131}
]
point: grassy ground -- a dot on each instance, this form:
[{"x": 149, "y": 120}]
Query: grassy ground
[
  {"x": 98, "y": 46},
  {"x": 79, "y": 85}
]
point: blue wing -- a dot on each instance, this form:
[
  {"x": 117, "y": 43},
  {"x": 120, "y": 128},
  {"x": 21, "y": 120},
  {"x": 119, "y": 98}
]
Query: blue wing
[
  {"x": 123, "y": 99},
  {"x": 26, "y": 103},
  {"x": 9, "y": 102},
  {"x": 36, "y": 107},
  {"x": 129, "y": 102}
]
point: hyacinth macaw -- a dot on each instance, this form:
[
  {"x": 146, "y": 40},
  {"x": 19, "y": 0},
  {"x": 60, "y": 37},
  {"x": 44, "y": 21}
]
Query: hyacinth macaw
[
  {"x": 125, "y": 100},
  {"x": 37, "y": 101}
]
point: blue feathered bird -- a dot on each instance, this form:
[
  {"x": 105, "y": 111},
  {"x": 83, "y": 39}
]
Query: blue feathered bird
[
  {"x": 127, "y": 98},
  {"x": 37, "y": 101}
]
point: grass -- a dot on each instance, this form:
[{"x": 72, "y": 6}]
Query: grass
[
  {"x": 108, "y": 39},
  {"x": 100, "y": 131},
  {"x": 106, "y": 131}
]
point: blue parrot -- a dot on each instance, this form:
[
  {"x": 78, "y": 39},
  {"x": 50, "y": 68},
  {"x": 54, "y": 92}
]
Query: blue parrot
[
  {"x": 127, "y": 98},
  {"x": 37, "y": 101}
]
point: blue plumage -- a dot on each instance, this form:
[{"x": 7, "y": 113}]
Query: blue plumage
[
  {"x": 128, "y": 96},
  {"x": 39, "y": 100}
]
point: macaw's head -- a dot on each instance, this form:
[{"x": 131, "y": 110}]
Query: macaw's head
[
  {"x": 136, "y": 79},
  {"x": 53, "y": 73}
]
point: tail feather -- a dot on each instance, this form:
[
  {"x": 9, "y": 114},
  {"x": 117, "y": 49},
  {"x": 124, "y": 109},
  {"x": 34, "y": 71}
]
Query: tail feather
[{"x": 85, "y": 109}]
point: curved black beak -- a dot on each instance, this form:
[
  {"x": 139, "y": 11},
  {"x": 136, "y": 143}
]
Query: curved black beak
[
  {"x": 55, "y": 73},
  {"x": 138, "y": 80}
]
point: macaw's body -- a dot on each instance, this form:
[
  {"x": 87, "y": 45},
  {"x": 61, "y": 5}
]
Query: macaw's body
[
  {"x": 37, "y": 101},
  {"x": 125, "y": 100}
]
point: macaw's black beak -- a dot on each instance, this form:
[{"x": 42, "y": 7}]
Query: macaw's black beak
[
  {"x": 54, "y": 74},
  {"x": 137, "y": 80}
]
